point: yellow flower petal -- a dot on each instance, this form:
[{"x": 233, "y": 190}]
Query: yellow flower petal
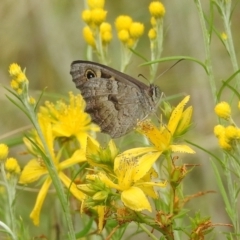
[
  {"x": 104, "y": 179},
  {"x": 135, "y": 199},
  {"x": 32, "y": 172},
  {"x": 176, "y": 115},
  {"x": 135, "y": 152},
  {"x": 77, "y": 157},
  {"x": 101, "y": 212},
  {"x": 39, "y": 202},
  {"x": 182, "y": 148},
  {"x": 73, "y": 187},
  {"x": 3, "y": 151},
  {"x": 184, "y": 122}
]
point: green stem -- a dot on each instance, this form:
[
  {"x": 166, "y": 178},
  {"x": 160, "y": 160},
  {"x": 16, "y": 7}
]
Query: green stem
[
  {"x": 147, "y": 231},
  {"x": 207, "y": 39},
  {"x": 226, "y": 15},
  {"x": 53, "y": 173},
  {"x": 156, "y": 51},
  {"x": 169, "y": 169},
  {"x": 10, "y": 201}
]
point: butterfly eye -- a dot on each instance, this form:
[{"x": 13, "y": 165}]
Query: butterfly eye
[{"x": 90, "y": 74}]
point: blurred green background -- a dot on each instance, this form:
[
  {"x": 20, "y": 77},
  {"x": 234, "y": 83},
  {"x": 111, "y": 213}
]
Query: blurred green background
[{"x": 46, "y": 36}]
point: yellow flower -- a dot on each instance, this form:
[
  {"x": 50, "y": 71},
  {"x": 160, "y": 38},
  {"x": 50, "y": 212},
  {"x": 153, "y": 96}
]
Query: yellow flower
[
  {"x": 3, "y": 151},
  {"x": 106, "y": 37},
  {"x": 162, "y": 138},
  {"x": 231, "y": 132},
  {"x": 14, "y": 70},
  {"x": 133, "y": 175},
  {"x": 87, "y": 16},
  {"x": 224, "y": 144},
  {"x": 92, "y": 4},
  {"x": 69, "y": 120},
  {"x": 219, "y": 130},
  {"x": 157, "y": 9},
  {"x": 223, "y": 110},
  {"x": 12, "y": 166},
  {"x": 123, "y": 36},
  {"x": 106, "y": 32},
  {"x": 35, "y": 168},
  {"x": 21, "y": 77},
  {"x": 14, "y": 84},
  {"x": 88, "y": 36},
  {"x": 123, "y": 22},
  {"x": 98, "y": 16},
  {"x": 19, "y": 84},
  {"x": 136, "y": 29},
  {"x": 105, "y": 27},
  {"x": 152, "y": 34},
  {"x": 101, "y": 157},
  {"x": 153, "y": 21}
]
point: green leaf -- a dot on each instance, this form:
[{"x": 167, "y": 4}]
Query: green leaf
[
  {"x": 176, "y": 58},
  {"x": 85, "y": 230}
]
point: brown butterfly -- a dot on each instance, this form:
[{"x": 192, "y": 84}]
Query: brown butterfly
[{"x": 114, "y": 100}]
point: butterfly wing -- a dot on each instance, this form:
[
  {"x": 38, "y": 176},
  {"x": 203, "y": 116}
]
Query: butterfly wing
[{"x": 114, "y": 102}]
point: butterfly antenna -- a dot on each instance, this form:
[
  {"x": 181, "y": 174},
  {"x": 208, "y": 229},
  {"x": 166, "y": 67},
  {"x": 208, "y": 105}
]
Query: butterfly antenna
[
  {"x": 169, "y": 68},
  {"x": 140, "y": 75}
]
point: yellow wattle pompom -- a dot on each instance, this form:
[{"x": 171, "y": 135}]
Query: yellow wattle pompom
[
  {"x": 14, "y": 84},
  {"x": 3, "y": 151},
  {"x": 106, "y": 37},
  {"x": 14, "y": 69},
  {"x": 153, "y": 21},
  {"x": 11, "y": 165},
  {"x": 231, "y": 132},
  {"x": 92, "y": 4},
  {"x": 105, "y": 27},
  {"x": 21, "y": 77},
  {"x": 98, "y": 16},
  {"x": 224, "y": 144},
  {"x": 123, "y": 22},
  {"x": 87, "y": 16},
  {"x": 123, "y": 36},
  {"x": 223, "y": 110},
  {"x": 219, "y": 130},
  {"x": 136, "y": 30},
  {"x": 88, "y": 36},
  {"x": 157, "y": 9},
  {"x": 152, "y": 34},
  {"x": 106, "y": 32}
]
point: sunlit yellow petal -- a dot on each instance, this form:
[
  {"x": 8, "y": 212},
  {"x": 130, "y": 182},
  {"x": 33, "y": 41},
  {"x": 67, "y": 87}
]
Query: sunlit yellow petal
[
  {"x": 39, "y": 202},
  {"x": 104, "y": 179},
  {"x": 73, "y": 187},
  {"x": 135, "y": 152},
  {"x": 101, "y": 211},
  {"x": 182, "y": 148},
  {"x": 32, "y": 172},
  {"x": 184, "y": 122},
  {"x": 135, "y": 199},
  {"x": 77, "y": 157},
  {"x": 159, "y": 138},
  {"x": 176, "y": 115},
  {"x": 92, "y": 147},
  {"x": 113, "y": 148},
  {"x": 144, "y": 164}
]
